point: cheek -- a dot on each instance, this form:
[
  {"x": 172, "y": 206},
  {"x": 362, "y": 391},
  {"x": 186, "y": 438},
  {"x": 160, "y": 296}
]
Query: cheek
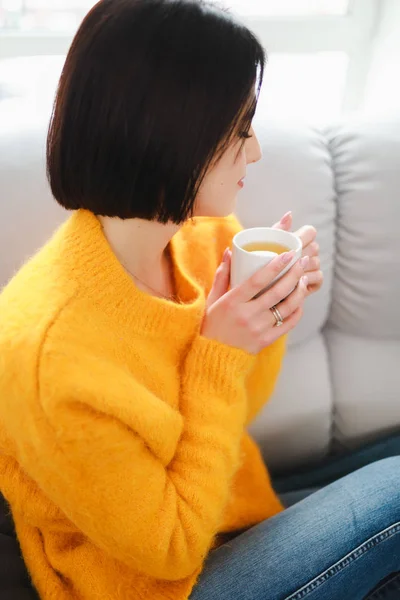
[
  {"x": 220, "y": 185},
  {"x": 240, "y": 160},
  {"x": 216, "y": 196},
  {"x": 234, "y": 168}
]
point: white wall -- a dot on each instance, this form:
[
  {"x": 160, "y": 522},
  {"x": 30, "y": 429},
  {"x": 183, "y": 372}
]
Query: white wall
[{"x": 382, "y": 95}]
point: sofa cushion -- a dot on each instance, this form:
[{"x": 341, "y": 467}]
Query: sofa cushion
[{"x": 366, "y": 291}]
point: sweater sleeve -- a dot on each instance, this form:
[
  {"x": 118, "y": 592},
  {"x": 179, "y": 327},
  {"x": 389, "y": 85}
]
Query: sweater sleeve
[
  {"x": 145, "y": 482},
  {"x": 263, "y": 377}
]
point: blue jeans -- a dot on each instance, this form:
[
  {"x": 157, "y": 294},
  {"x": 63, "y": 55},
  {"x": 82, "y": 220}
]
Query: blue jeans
[
  {"x": 293, "y": 486},
  {"x": 341, "y": 542}
]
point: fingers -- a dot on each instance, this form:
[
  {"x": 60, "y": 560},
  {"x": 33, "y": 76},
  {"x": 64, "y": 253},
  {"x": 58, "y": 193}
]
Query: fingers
[
  {"x": 314, "y": 272},
  {"x": 276, "y": 332},
  {"x": 262, "y": 278},
  {"x": 291, "y": 311},
  {"x": 294, "y": 300},
  {"x": 285, "y": 223},
  {"x": 221, "y": 279},
  {"x": 314, "y": 264},
  {"x": 307, "y": 234},
  {"x": 315, "y": 278},
  {"x": 282, "y": 288},
  {"x": 311, "y": 249}
]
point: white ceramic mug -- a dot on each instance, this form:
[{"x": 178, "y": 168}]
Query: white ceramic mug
[{"x": 245, "y": 264}]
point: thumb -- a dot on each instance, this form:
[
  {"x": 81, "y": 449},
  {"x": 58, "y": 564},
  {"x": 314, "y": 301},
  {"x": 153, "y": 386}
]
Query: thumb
[{"x": 221, "y": 280}]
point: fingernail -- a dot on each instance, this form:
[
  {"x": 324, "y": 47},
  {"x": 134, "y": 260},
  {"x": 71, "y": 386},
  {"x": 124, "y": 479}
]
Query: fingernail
[
  {"x": 304, "y": 281},
  {"x": 304, "y": 262},
  {"x": 286, "y": 216},
  {"x": 286, "y": 257},
  {"x": 225, "y": 256}
]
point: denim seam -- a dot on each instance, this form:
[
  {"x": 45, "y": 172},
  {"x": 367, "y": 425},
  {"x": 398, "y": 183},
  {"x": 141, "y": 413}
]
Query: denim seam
[{"x": 345, "y": 561}]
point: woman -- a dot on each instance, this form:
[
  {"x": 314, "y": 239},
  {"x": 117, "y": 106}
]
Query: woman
[{"x": 130, "y": 370}]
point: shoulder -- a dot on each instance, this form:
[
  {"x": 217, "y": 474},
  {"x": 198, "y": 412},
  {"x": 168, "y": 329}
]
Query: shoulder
[
  {"x": 31, "y": 305},
  {"x": 33, "y": 299}
]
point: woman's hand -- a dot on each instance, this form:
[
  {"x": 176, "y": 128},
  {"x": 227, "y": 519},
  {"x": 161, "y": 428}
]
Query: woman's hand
[
  {"x": 234, "y": 318},
  {"x": 307, "y": 234}
]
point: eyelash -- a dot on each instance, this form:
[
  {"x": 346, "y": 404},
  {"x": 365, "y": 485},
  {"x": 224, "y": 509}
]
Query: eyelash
[{"x": 245, "y": 135}]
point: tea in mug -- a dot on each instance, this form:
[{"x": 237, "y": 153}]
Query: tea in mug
[{"x": 265, "y": 247}]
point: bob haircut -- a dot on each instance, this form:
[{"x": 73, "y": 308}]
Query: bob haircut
[{"x": 151, "y": 94}]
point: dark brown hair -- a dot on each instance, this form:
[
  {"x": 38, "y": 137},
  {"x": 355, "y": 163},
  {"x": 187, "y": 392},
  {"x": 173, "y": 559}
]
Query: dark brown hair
[{"x": 150, "y": 93}]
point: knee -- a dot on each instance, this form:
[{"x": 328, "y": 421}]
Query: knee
[
  {"x": 385, "y": 469},
  {"x": 379, "y": 484}
]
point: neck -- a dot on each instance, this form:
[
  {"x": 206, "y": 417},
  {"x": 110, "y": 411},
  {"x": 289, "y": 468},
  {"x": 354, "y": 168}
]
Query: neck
[{"x": 141, "y": 247}]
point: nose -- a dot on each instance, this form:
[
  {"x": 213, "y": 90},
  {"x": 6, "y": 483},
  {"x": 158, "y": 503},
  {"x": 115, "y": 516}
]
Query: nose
[{"x": 253, "y": 148}]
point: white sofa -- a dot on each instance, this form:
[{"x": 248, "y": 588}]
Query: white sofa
[{"x": 339, "y": 387}]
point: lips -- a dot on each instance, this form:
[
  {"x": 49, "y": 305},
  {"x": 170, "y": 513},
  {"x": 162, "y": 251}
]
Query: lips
[{"x": 241, "y": 182}]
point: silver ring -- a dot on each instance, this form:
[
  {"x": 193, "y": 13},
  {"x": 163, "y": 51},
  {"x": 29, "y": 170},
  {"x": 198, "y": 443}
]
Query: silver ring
[{"x": 277, "y": 315}]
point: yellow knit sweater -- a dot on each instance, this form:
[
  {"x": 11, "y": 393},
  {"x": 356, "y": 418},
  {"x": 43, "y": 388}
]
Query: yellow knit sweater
[{"x": 123, "y": 448}]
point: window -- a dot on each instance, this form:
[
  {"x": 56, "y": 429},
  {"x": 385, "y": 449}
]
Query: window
[
  {"x": 42, "y": 15},
  {"x": 65, "y": 15},
  {"x": 302, "y": 86},
  {"x": 319, "y": 50}
]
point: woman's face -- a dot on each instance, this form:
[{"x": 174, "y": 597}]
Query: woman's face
[{"x": 224, "y": 180}]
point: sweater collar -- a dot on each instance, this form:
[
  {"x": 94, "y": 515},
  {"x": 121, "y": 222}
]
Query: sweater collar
[{"x": 104, "y": 279}]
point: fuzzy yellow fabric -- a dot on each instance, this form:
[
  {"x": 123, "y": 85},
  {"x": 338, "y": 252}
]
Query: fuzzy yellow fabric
[{"x": 123, "y": 443}]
